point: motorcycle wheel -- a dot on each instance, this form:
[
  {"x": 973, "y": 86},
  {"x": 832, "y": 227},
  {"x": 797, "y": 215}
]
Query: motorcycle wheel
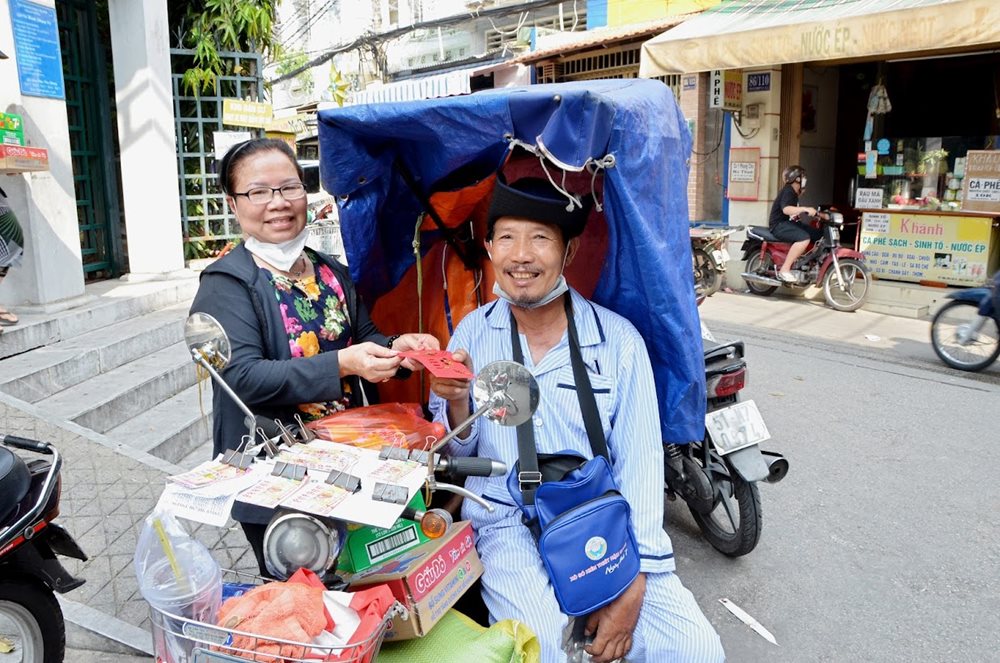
[
  {"x": 707, "y": 276},
  {"x": 31, "y": 618},
  {"x": 760, "y": 265},
  {"x": 974, "y": 355},
  {"x": 857, "y": 280},
  {"x": 733, "y": 525}
]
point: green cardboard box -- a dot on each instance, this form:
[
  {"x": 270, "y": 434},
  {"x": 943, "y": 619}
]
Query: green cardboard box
[{"x": 368, "y": 546}]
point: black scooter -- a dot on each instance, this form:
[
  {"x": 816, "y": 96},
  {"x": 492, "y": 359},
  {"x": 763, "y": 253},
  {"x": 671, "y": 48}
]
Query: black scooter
[
  {"x": 30, "y": 573},
  {"x": 965, "y": 333},
  {"x": 717, "y": 476}
]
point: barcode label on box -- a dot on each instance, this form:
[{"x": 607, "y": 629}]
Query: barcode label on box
[{"x": 387, "y": 547}]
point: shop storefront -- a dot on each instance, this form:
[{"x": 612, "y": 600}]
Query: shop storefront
[{"x": 920, "y": 181}]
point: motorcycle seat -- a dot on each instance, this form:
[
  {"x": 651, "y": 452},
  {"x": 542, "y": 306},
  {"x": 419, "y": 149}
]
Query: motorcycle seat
[
  {"x": 15, "y": 480},
  {"x": 762, "y": 233}
]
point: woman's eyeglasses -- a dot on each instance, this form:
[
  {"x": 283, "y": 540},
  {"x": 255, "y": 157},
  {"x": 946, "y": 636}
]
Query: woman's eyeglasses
[{"x": 262, "y": 195}]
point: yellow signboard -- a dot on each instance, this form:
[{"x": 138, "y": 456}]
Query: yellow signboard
[
  {"x": 629, "y": 12},
  {"x": 726, "y": 89},
  {"x": 290, "y": 124},
  {"x": 902, "y": 246},
  {"x": 239, "y": 113}
]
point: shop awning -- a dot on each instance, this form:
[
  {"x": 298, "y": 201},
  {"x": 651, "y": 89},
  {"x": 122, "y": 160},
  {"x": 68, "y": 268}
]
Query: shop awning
[{"x": 739, "y": 34}]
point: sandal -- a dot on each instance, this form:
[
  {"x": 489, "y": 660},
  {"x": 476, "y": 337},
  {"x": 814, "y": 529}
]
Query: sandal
[{"x": 8, "y": 319}]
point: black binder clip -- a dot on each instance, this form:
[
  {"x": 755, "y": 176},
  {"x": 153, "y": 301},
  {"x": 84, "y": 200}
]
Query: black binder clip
[
  {"x": 342, "y": 479},
  {"x": 388, "y": 492},
  {"x": 306, "y": 433},
  {"x": 419, "y": 456},
  {"x": 286, "y": 435},
  {"x": 393, "y": 453},
  {"x": 289, "y": 471},
  {"x": 240, "y": 461}
]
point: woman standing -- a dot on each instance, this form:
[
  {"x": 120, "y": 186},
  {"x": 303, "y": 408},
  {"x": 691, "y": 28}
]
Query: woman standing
[
  {"x": 11, "y": 248},
  {"x": 301, "y": 338}
]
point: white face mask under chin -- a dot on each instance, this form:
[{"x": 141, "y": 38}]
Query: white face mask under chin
[
  {"x": 560, "y": 288},
  {"x": 283, "y": 255}
]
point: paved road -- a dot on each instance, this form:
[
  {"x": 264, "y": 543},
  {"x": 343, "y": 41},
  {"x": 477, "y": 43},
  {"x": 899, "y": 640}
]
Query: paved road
[{"x": 883, "y": 543}]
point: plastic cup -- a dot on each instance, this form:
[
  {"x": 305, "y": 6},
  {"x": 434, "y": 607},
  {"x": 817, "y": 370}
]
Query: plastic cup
[{"x": 197, "y": 598}]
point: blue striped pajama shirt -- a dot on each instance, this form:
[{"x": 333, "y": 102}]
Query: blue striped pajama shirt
[{"x": 515, "y": 585}]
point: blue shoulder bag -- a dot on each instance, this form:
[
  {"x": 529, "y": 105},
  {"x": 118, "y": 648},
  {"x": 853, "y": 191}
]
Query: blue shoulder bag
[{"x": 580, "y": 520}]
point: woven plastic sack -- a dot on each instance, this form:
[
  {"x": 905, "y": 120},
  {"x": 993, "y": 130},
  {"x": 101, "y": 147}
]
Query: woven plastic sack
[
  {"x": 508, "y": 641},
  {"x": 375, "y": 426}
]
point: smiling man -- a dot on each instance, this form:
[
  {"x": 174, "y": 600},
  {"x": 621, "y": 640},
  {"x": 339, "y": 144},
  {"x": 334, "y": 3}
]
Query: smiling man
[{"x": 532, "y": 234}]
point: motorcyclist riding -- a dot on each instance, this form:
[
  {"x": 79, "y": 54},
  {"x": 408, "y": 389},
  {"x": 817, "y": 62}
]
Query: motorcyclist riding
[{"x": 784, "y": 209}]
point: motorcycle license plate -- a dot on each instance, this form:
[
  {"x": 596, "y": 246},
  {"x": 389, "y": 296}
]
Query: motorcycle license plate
[
  {"x": 721, "y": 256},
  {"x": 736, "y": 427}
]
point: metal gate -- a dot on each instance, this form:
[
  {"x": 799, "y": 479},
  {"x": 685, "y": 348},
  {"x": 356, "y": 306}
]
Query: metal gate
[
  {"x": 207, "y": 222},
  {"x": 92, "y": 147}
]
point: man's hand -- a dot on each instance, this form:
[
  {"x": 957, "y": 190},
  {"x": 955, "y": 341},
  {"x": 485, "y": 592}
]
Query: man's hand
[
  {"x": 455, "y": 391},
  {"x": 415, "y": 342},
  {"x": 615, "y": 622},
  {"x": 369, "y": 360}
]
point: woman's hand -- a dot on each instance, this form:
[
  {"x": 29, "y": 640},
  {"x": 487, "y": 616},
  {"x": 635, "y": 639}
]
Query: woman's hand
[
  {"x": 368, "y": 360},
  {"x": 455, "y": 391},
  {"x": 415, "y": 342}
]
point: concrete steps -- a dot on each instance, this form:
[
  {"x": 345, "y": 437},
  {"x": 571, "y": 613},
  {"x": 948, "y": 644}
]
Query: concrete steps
[
  {"x": 173, "y": 428},
  {"x": 33, "y": 376},
  {"x": 114, "y": 361},
  {"x": 104, "y": 304},
  {"x": 905, "y": 300},
  {"x": 109, "y": 399}
]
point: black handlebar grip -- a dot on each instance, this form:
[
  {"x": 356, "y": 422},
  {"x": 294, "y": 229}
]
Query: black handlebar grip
[
  {"x": 25, "y": 444},
  {"x": 475, "y": 467},
  {"x": 267, "y": 425}
]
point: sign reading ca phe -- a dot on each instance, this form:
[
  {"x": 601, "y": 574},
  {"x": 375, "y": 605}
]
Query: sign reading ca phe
[{"x": 726, "y": 89}]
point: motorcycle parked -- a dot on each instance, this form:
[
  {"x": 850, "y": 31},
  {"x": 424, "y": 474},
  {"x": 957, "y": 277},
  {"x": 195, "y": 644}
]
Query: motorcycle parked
[
  {"x": 30, "y": 573},
  {"x": 717, "y": 476},
  {"x": 961, "y": 335},
  {"x": 839, "y": 271},
  {"x": 709, "y": 257}
]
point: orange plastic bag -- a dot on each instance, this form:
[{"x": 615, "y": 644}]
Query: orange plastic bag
[{"x": 375, "y": 426}]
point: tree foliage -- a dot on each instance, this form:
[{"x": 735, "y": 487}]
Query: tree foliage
[{"x": 210, "y": 26}]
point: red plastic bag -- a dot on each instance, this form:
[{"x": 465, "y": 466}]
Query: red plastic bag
[{"x": 375, "y": 426}]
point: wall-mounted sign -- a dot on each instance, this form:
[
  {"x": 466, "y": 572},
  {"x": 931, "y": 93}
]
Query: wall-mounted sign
[
  {"x": 11, "y": 129},
  {"x": 726, "y": 89},
  {"x": 951, "y": 249},
  {"x": 224, "y": 141},
  {"x": 17, "y": 159},
  {"x": 981, "y": 186},
  {"x": 689, "y": 82},
  {"x": 744, "y": 173},
  {"x": 759, "y": 81},
  {"x": 36, "y": 42},
  {"x": 868, "y": 198},
  {"x": 239, "y": 113}
]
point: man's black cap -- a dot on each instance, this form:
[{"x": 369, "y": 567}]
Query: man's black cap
[{"x": 536, "y": 199}]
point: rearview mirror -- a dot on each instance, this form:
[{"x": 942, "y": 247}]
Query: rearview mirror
[
  {"x": 206, "y": 338},
  {"x": 509, "y": 390}
]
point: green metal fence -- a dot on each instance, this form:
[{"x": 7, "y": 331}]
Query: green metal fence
[{"x": 207, "y": 222}]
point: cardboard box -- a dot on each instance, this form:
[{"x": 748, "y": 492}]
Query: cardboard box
[
  {"x": 367, "y": 546},
  {"x": 428, "y": 580}
]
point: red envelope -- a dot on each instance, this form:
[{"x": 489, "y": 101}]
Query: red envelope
[{"x": 440, "y": 363}]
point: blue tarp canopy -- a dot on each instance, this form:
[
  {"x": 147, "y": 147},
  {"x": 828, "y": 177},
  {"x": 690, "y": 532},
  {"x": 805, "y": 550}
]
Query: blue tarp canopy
[{"x": 646, "y": 275}]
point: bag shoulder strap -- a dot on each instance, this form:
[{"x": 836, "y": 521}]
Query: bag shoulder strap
[{"x": 529, "y": 475}]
